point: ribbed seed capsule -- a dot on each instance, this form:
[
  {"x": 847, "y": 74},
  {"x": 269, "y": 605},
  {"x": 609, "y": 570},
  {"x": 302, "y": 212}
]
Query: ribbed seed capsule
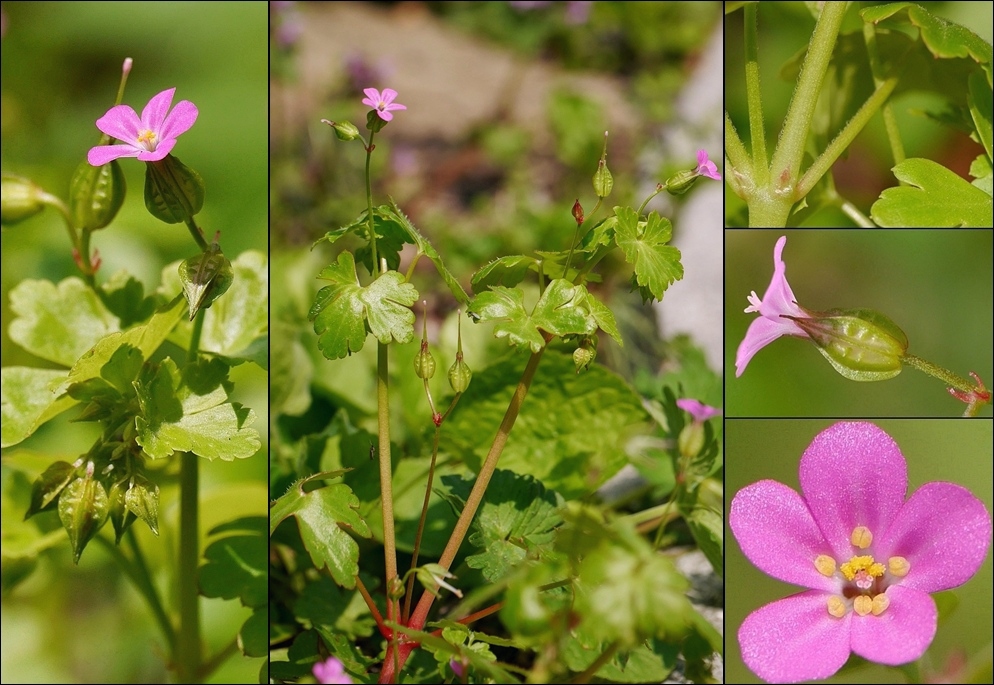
[
  {"x": 459, "y": 375},
  {"x": 424, "y": 363}
]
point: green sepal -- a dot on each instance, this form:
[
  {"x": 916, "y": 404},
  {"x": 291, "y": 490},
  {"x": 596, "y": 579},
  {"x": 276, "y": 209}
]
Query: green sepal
[
  {"x": 96, "y": 194},
  {"x": 45, "y": 490},
  {"x": 120, "y": 516},
  {"x": 173, "y": 191},
  {"x": 142, "y": 499},
  {"x": 205, "y": 278},
  {"x": 862, "y": 344},
  {"x": 20, "y": 199},
  {"x": 83, "y": 509}
]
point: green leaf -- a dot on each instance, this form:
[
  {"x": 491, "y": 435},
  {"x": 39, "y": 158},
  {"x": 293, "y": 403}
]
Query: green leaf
[
  {"x": 253, "y": 638},
  {"x": 23, "y": 541},
  {"x": 237, "y": 566},
  {"x": 58, "y": 323},
  {"x": 604, "y": 318},
  {"x": 649, "y": 662},
  {"x": 324, "y": 516},
  {"x": 708, "y": 528},
  {"x": 980, "y": 100},
  {"x": 424, "y": 247},
  {"x": 479, "y": 660},
  {"x": 571, "y": 432},
  {"x": 28, "y": 401},
  {"x": 190, "y": 413},
  {"x": 644, "y": 243},
  {"x": 145, "y": 337},
  {"x": 515, "y": 521},
  {"x": 342, "y": 310},
  {"x": 560, "y": 311},
  {"x": 239, "y": 318},
  {"x": 332, "y": 610},
  {"x": 935, "y": 197},
  {"x": 124, "y": 297},
  {"x": 506, "y": 271}
]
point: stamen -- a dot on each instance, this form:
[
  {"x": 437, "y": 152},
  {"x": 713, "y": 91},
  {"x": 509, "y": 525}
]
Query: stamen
[
  {"x": 862, "y": 563},
  {"x": 825, "y": 565},
  {"x": 147, "y": 139},
  {"x": 879, "y": 604},
  {"x": 862, "y": 605},
  {"x": 836, "y": 606},
  {"x": 862, "y": 537},
  {"x": 898, "y": 566}
]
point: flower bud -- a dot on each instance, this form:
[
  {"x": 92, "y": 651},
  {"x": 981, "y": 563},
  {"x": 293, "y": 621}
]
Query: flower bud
[
  {"x": 680, "y": 182},
  {"x": 459, "y": 375},
  {"x": 603, "y": 180},
  {"x": 424, "y": 363},
  {"x": 578, "y": 212},
  {"x": 862, "y": 345},
  {"x": 584, "y": 355},
  {"x": 21, "y": 199},
  {"x": 205, "y": 278},
  {"x": 96, "y": 193},
  {"x": 691, "y": 439},
  {"x": 174, "y": 192}
]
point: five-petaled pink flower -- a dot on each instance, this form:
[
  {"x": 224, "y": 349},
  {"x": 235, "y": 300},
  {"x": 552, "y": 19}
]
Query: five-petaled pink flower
[
  {"x": 869, "y": 557},
  {"x": 383, "y": 102},
  {"x": 774, "y": 309},
  {"x": 705, "y": 167},
  {"x": 149, "y": 138},
  {"x": 331, "y": 672},
  {"x": 700, "y": 411}
]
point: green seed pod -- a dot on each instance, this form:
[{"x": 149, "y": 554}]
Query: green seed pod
[
  {"x": 142, "y": 499},
  {"x": 345, "y": 130},
  {"x": 862, "y": 345},
  {"x": 424, "y": 363},
  {"x": 681, "y": 182},
  {"x": 96, "y": 193},
  {"x": 691, "y": 439},
  {"x": 205, "y": 278},
  {"x": 120, "y": 517},
  {"x": 174, "y": 192},
  {"x": 45, "y": 490},
  {"x": 584, "y": 355},
  {"x": 603, "y": 180},
  {"x": 459, "y": 375},
  {"x": 20, "y": 199}
]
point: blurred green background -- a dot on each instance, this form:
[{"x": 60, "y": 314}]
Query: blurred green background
[
  {"x": 936, "y": 285},
  {"x": 784, "y": 29},
  {"x": 61, "y": 67},
  {"x": 954, "y": 450}
]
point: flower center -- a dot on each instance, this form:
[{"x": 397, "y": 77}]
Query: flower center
[
  {"x": 147, "y": 139},
  {"x": 864, "y": 579}
]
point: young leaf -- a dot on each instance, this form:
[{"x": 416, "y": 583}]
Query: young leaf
[
  {"x": 561, "y": 311},
  {"x": 324, "y": 516},
  {"x": 644, "y": 243},
  {"x": 506, "y": 271},
  {"x": 708, "y": 528},
  {"x": 935, "y": 197},
  {"x": 58, "y": 322},
  {"x": 342, "y": 310},
  {"x": 235, "y": 566},
  {"x": 191, "y": 413},
  {"x": 515, "y": 521}
]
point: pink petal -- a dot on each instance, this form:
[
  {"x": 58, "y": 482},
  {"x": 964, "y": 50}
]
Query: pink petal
[
  {"x": 762, "y": 332},
  {"x": 372, "y": 97},
  {"x": 944, "y": 532},
  {"x": 102, "y": 154},
  {"x": 395, "y": 106},
  {"x": 702, "y": 157},
  {"x": 853, "y": 474},
  {"x": 160, "y": 152},
  {"x": 155, "y": 111},
  {"x": 779, "y": 298},
  {"x": 697, "y": 409},
  {"x": 178, "y": 121},
  {"x": 899, "y": 635},
  {"x": 120, "y": 122},
  {"x": 388, "y": 95},
  {"x": 795, "y": 639},
  {"x": 776, "y": 532}
]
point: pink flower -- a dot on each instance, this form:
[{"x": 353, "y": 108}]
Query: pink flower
[
  {"x": 700, "y": 411},
  {"x": 149, "y": 138},
  {"x": 777, "y": 303},
  {"x": 383, "y": 103},
  {"x": 331, "y": 672},
  {"x": 705, "y": 167},
  {"x": 869, "y": 557}
]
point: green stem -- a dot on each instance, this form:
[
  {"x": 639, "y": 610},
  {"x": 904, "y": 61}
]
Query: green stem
[
  {"x": 757, "y": 129},
  {"x": 423, "y": 518},
  {"x": 890, "y": 122},
  {"x": 386, "y": 473},
  {"x": 844, "y": 139},
  {"x": 945, "y": 375},
  {"x": 790, "y": 148},
  {"x": 369, "y": 204},
  {"x": 482, "y": 480},
  {"x": 659, "y": 188},
  {"x": 214, "y": 662},
  {"x": 198, "y": 235},
  {"x": 851, "y": 211},
  {"x": 735, "y": 149},
  {"x": 599, "y": 662}
]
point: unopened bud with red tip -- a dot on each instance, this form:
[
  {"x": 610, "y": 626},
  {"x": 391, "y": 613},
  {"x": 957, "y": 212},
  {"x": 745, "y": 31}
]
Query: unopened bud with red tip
[
  {"x": 862, "y": 345},
  {"x": 603, "y": 180},
  {"x": 578, "y": 212}
]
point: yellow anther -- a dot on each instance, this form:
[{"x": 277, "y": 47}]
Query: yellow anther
[
  {"x": 863, "y": 563},
  {"x": 898, "y": 566},
  {"x": 861, "y": 537},
  {"x": 836, "y": 606},
  {"x": 825, "y": 565},
  {"x": 146, "y": 137},
  {"x": 879, "y": 604},
  {"x": 862, "y": 605}
]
